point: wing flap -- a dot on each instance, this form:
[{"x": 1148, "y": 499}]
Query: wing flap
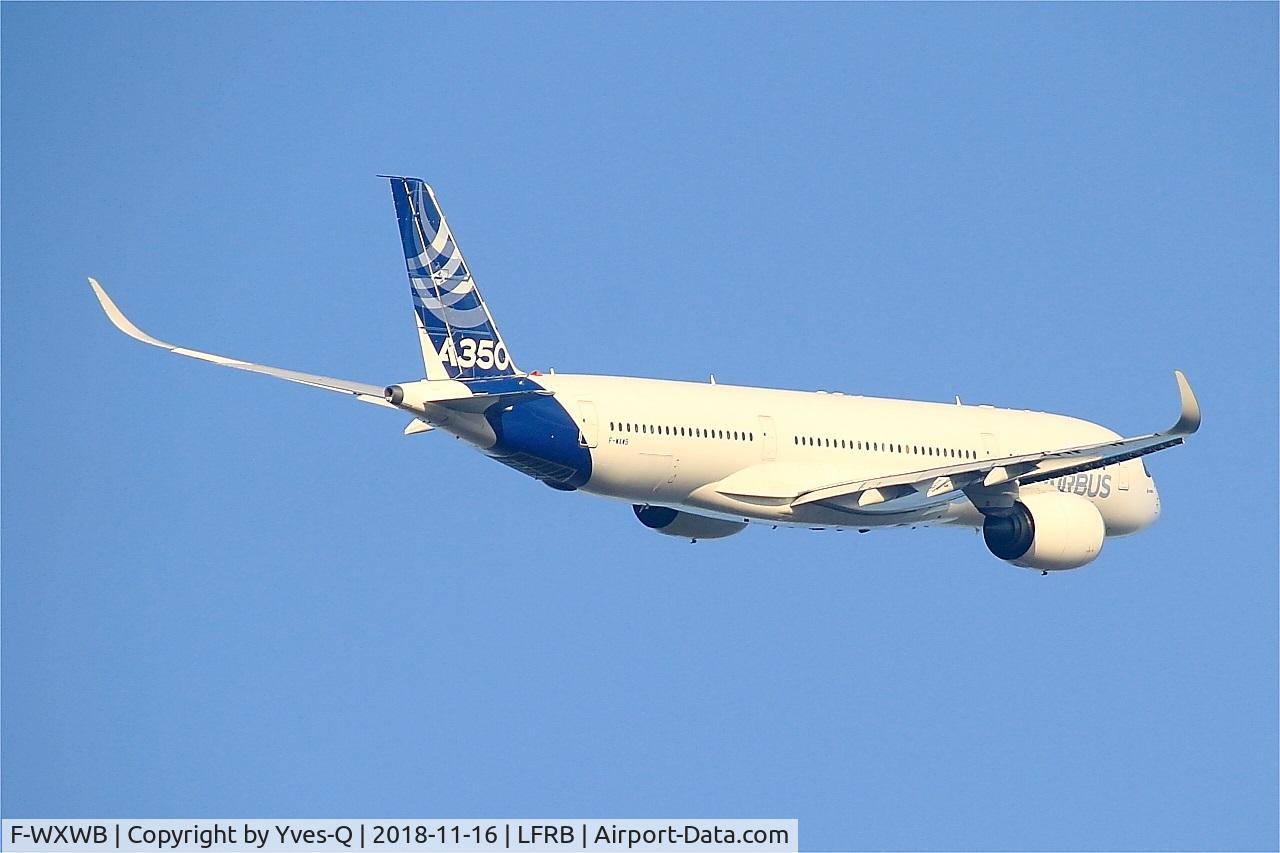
[{"x": 1025, "y": 468}]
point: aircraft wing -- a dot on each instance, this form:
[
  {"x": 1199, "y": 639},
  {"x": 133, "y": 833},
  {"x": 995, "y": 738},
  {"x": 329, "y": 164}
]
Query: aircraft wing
[
  {"x": 1026, "y": 468},
  {"x": 360, "y": 390}
]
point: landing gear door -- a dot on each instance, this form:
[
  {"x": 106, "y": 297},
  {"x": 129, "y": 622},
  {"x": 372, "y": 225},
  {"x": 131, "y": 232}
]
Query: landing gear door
[{"x": 588, "y": 426}]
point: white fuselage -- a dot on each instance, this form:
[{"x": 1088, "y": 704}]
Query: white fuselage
[
  {"x": 704, "y": 460},
  {"x": 743, "y": 453}
]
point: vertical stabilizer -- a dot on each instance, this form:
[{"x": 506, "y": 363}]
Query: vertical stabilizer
[{"x": 457, "y": 334}]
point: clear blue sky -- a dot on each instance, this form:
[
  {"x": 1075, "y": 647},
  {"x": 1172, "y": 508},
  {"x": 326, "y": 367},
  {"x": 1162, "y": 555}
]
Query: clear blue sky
[{"x": 228, "y": 596}]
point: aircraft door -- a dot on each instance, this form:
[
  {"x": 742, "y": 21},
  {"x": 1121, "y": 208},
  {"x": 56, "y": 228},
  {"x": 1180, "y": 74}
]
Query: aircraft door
[
  {"x": 588, "y": 426},
  {"x": 768, "y": 438},
  {"x": 990, "y": 449}
]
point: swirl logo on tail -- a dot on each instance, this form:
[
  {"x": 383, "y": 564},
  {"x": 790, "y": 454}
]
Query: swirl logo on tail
[{"x": 452, "y": 317}]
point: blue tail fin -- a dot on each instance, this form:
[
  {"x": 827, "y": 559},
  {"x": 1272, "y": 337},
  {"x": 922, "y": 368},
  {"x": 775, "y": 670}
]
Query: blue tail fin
[{"x": 457, "y": 334}]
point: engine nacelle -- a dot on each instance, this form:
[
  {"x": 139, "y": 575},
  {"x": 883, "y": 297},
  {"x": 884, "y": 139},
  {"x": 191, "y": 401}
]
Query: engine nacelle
[
  {"x": 1050, "y": 531},
  {"x": 686, "y": 525}
]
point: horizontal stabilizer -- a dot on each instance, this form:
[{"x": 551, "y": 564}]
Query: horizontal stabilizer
[
  {"x": 417, "y": 426},
  {"x": 457, "y": 396}
]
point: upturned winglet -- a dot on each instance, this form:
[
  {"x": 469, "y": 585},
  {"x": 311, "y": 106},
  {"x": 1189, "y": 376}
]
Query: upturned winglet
[
  {"x": 362, "y": 391},
  {"x": 1189, "y": 413},
  {"x": 121, "y": 322}
]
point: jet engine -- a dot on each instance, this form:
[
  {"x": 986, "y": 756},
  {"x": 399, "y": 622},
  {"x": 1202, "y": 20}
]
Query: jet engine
[
  {"x": 1049, "y": 531},
  {"x": 686, "y": 525}
]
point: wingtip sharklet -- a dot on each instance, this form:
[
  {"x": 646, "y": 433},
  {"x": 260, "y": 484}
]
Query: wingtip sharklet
[
  {"x": 364, "y": 391},
  {"x": 119, "y": 320},
  {"x": 1189, "y": 407}
]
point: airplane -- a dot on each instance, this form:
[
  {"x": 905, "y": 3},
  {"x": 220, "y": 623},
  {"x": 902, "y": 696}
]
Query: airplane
[{"x": 705, "y": 460}]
